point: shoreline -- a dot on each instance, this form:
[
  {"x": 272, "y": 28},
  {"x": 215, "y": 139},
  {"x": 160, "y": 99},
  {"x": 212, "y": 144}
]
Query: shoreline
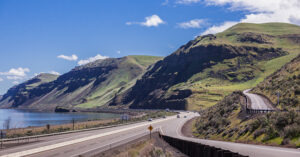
[{"x": 79, "y": 125}]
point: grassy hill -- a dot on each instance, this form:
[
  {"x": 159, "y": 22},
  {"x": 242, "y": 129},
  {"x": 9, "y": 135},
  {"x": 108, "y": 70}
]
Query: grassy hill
[
  {"x": 206, "y": 69},
  {"x": 228, "y": 121},
  {"x": 286, "y": 81},
  {"x": 91, "y": 85},
  {"x": 21, "y": 92}
]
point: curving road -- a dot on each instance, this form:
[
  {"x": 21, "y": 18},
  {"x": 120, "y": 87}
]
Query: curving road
[
  {"x": 91, "y": 142},
  {"x": 257, "y": 101}
]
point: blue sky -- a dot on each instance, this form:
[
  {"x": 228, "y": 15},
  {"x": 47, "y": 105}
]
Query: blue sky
[{"x": 42, "y": 35}]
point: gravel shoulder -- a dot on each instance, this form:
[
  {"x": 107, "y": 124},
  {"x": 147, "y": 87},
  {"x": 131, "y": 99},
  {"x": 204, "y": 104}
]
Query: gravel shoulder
[
  {"x": 143, "y": 147},
  {"x": 187, "y": 128}
]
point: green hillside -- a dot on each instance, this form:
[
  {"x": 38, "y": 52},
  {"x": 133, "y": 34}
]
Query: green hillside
[
  {"x": 208, "y": 68},
  {"x": 119, "y": 81},
  {"x": 21, "y": 92},
  {"x": 286, "y": 81},
  {"x": 92, "y": 85}
]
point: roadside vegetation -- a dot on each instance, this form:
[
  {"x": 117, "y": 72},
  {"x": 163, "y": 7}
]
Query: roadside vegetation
[
  {"x": 286, "y": 82},
  {"x": 31, "y": 131},
  {"x": 228, "y": 121}
]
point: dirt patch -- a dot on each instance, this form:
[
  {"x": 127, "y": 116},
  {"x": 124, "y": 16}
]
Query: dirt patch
[
  {"x": 187, "y": 128},
  {"x": 143, "y": 147}
]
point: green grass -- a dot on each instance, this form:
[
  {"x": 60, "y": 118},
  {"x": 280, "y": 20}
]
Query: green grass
[
  {"x": 266, "y": 28},
  {"x": 123, "y": 78},
  {"x": 219, "y": 88}
]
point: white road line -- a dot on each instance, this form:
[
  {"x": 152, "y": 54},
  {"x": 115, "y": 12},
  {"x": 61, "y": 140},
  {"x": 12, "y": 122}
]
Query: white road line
[
  {"x": 104, "y": 146},
  {"x": 62, "y": 144}
]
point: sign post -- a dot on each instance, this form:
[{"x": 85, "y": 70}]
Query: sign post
[
  {"x": 2, "y": 135},
  {"x": 278, "y": 97},
  {"x": 150, "y": 129},
  {"x": 1, "y": 139}
]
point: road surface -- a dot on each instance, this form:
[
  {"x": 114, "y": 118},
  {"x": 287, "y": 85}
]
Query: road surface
[
  {"x": 90, "y": 142},
  {"x": 257, "y": 101}
]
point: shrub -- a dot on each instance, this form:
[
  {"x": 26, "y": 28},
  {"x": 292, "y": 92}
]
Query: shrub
[
  {"x": 270, "y": 133},
  {"x": 281, "y": 121},
  {"x": 254, "y": 125},
  {"x": 292, "y": 131},
  {"x": 258, "y": 133},
  {"x": 285, "y": 141}
]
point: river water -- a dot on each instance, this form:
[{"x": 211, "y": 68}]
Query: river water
[{"x": 25, "y": 118}]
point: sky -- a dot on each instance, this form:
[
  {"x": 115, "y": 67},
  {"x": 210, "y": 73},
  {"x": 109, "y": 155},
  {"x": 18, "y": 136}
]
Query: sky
[{"x": 54, "y": 36}]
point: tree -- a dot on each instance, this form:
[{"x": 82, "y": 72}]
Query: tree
[{"x": 6, "y": 124}]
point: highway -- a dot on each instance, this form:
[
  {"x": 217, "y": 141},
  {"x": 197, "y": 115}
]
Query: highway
[
  {"x": 91, "y": 142},
  {"x": 257, "y": 101},
  {"x": 76, "y": 144}
]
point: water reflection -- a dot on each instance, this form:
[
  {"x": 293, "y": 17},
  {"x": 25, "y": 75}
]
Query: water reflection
[{"x": 25, "y": 118}]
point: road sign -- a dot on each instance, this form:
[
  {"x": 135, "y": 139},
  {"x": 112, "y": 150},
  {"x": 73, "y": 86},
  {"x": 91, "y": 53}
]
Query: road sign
[{"x": 150, "y": 128}]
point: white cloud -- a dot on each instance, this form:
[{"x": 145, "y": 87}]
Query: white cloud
[
  {"x": 166, "y": 2},
  {"x": 219, "y": 28},
  {"x": 15, "y": 73},
  {"x": 118, "y": 52},
  {"x": 150, "y": 21},
  {"x": 195, "y": 23},
  {"x": 91, "y": 59},
  {"x": 1, "y": 79},
  {"x": 16, "y": 82},
  {"x": 73, "y": 57},
  {"x": 14, "y": 77},
  {"x": 187, "y": 1},
  {"x": 54, "y": 72},
  {"x": 263, "y": 11}
]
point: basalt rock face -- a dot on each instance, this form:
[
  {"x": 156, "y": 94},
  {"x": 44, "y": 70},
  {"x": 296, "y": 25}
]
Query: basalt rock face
[
  {"x": 90, "y": 85},
  {"x": 150, "y": 90},
  {"x": 237, "y": 56},
  {"x": 22, "y": 92}
]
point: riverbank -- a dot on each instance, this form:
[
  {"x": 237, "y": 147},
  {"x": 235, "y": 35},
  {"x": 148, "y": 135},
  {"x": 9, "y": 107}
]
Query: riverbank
[{"x": 32, "y": 131}]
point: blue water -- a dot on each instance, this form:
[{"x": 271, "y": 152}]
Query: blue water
[{"x": 25, "y": 118}]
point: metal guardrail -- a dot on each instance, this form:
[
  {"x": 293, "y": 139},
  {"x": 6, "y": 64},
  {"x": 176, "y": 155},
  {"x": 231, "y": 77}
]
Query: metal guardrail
[
  {"x": 255, "y": 111},
  {"x": 194, "y": 149}
]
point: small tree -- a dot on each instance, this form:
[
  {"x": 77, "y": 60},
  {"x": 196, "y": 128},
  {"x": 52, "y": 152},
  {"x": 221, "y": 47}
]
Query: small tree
[
  {"x": 48, "y": 127},
  {"x": 6, "y": 124}
]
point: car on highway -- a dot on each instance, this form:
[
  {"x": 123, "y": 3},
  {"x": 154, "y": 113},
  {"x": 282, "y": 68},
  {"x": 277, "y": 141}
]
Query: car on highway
[
  {"x": 164, "y": 117},
  {"x": 150, "y": 119},
  {"x": 184, "y": 116},
  {"x": 178, "y": 116}
]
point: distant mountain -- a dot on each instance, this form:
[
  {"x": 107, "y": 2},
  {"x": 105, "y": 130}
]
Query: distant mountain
[
  {"x": 286, "y": 81},
  {"x": 203, "y": 71},
  {"x": 90, "y": 85},
  {"x": 19, "y": 93}
]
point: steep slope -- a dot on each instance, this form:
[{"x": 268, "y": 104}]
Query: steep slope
[
  {"x": 228, "y": 121},
  {"x": 21, "y": 92},
  {"x": 209, "y": 67},
  {"x": 286, "y": 81},
  {"x": 90, "y": 85}
]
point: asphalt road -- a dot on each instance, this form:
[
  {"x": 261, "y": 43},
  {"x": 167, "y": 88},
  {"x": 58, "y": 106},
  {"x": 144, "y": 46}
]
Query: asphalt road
[
  {"x": 90, "y": 142},
  {"x": 257, "y": 101},
  {"x": 76, "y": 144}
]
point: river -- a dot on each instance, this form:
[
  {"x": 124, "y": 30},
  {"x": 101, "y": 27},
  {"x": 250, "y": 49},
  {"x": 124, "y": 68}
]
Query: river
[{"x": 26, "y": 118}]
